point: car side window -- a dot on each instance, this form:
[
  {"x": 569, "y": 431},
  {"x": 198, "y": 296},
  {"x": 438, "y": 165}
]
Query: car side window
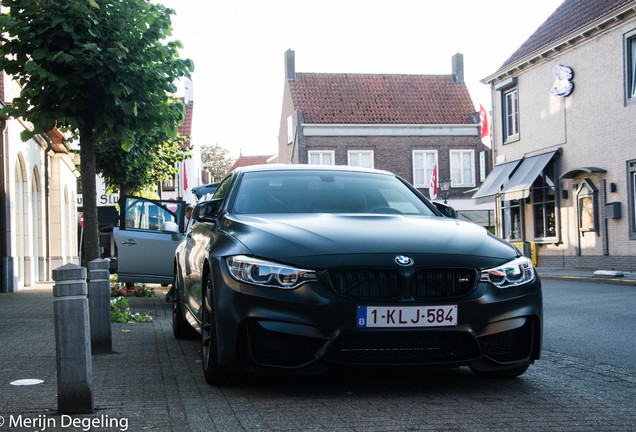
[
  {"x": 223, "y": 188},
  {"x": 146, "y": 215}
]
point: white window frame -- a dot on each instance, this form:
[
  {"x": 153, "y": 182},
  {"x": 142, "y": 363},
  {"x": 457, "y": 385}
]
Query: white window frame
[
  {"x": 631, "y": 199},
  {"x": 321, "y": 154},
  {"x": 425, "y": 176},
  {"x": 630, "y": 67},
  {"x": 465, "y": 179},
  {"x": 510, "y": 113},
  {"x": 290, "y": 129},
  {"x": 351, "y": 154}
]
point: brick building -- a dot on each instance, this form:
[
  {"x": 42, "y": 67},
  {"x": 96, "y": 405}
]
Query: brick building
[
  {"x": 564, "y": 116},
  {"x": 400, "y": 123}
]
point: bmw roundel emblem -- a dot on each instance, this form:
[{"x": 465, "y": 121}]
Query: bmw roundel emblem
[{"x": 404, "y": 261}]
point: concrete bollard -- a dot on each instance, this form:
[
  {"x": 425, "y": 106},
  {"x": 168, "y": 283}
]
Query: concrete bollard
[
  {"x": 99, "y": 306},
  {"x": 72, "y": 341}
]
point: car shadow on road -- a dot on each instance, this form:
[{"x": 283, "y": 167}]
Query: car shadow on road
[{"x": 382, "y": 381}]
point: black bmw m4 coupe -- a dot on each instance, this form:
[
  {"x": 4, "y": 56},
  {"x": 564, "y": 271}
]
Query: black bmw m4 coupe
[{"x": 301, "y": 267}]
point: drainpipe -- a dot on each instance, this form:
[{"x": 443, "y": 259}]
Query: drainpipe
[{"x": 6, "y": 278}]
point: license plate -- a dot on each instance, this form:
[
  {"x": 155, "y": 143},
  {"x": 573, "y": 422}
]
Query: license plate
[{"x": 407, "y": 316}]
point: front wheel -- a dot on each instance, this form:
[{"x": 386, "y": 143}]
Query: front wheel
[
  {"x": 181, "y": 329},
  {"x": 214, "y": 373}
]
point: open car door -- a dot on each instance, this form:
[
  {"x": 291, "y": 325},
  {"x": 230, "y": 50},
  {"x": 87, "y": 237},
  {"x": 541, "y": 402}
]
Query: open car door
[{"x": 149, "y": 232}]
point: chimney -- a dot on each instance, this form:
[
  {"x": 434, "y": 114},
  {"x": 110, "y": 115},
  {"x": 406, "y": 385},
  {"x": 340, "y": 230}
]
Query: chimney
[
  {"x": 290, "y": 65},
  {"x": 458, "y": 68},
  {"x": 189, "y": 92}
]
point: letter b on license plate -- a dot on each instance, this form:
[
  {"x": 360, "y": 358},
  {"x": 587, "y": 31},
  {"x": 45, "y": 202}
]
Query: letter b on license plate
[{"x": 407, "y": 316}]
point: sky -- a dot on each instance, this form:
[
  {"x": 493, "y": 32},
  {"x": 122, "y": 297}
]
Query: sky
[{"x": 238, "y": 50}]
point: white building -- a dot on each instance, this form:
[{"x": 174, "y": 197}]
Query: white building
[
  {"x": 564, "y": 121},
  {"x": 38, "y": 223}
]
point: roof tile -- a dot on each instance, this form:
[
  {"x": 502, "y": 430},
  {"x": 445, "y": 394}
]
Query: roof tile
[
  {"x": 385, "y": 99},
  {"x": 185, "y": 129},
  {"x": 243, "y": 161},
  {"x": 567, "y": 18}
]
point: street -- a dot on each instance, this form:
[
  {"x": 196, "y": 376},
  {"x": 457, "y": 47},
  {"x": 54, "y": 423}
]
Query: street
[
  {"x": 155, "y": 382},
  {"x": 594, "y": 321}
]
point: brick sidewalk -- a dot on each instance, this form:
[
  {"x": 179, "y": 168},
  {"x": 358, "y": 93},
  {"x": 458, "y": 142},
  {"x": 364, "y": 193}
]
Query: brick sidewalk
[{"x": 153, "y": 382}]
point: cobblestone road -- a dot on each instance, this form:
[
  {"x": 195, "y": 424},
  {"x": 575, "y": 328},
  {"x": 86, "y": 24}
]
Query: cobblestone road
[{"x": 154, "y": 382}]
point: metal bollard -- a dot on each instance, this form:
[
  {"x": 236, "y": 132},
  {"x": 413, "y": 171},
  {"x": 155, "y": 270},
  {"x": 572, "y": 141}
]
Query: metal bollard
[
  {"x": 72, "y": 341},
  {"x": 99, "y": 305}
]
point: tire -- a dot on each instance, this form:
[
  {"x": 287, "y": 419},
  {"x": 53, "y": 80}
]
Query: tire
[
  {"x": 214, "y": 373},
  {"x": 181, "y": 329},
  {"x": 501, "y": 374}
]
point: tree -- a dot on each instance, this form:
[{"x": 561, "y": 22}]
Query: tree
[
  {"x": 92, "y": 67},
  {"x": 216, "y": 160},
  {"x": 152, "y": 159}
]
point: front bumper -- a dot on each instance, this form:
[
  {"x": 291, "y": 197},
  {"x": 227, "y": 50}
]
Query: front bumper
[{"x": 312, "y": 327}]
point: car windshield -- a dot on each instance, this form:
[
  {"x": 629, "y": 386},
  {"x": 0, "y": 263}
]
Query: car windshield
[{"x": 326, "y": 192}]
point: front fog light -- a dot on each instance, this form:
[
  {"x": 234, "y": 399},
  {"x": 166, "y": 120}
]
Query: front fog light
[{"x": 517, "y": 272}]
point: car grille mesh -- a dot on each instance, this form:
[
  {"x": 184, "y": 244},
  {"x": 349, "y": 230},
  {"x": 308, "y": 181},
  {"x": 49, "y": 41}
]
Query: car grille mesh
[
  {"x": 400, "y": 347},
  {"x": 443, "y": 283},
  {"x": 391, "y": 284},
  {"x": 367, "y": 283},
  {"x": 511, "y": 345}
]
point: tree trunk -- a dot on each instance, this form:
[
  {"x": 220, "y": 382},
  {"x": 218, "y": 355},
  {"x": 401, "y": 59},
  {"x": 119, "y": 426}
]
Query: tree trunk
[
  {"x": 89, "y": 194},
  {"x": 123, "y": 191}
]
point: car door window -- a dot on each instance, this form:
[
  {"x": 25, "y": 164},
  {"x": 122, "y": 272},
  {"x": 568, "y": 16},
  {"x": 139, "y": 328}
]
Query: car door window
[{"x": 148, "y": 215}]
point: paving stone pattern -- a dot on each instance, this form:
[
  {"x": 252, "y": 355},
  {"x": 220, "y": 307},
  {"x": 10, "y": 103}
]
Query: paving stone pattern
[{"x": 155, "y": 383}]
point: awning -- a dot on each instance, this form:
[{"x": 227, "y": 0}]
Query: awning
[
  {"x": 521, "y": 181},
  {"x": 579, "y": 170},
  {"x": 499, "y": 175}
]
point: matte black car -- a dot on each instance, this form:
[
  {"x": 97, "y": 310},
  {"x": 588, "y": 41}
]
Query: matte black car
[{"x": 302, "y": 268}]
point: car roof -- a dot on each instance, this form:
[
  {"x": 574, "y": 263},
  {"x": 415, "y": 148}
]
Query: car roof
[
  {"x": 200, "y": 191},
  {"x": 306, "y": 167}
]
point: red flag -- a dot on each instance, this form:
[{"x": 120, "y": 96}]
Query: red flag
[
  {"x": 185, "y": 178},
  {"x": 432, "y": 187},
  {"x": 483, "y": 118}
]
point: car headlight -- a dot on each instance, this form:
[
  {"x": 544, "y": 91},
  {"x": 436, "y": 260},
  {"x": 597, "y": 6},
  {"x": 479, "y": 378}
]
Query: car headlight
[
  {"x": 516, "y": 272},
  {"x": 265, "y": 273}
]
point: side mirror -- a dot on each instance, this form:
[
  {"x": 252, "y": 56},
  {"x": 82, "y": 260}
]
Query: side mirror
[
  {"x": 446, "y": 210},
  {"x": 207, "y": 211}
]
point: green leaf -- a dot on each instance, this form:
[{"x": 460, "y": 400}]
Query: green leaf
[
  {"x": 39, "y": 53},
  {"x": 30, "y": 66},
  {"x": 127, "y": 145},
  {"x": 94, "y": 4}
]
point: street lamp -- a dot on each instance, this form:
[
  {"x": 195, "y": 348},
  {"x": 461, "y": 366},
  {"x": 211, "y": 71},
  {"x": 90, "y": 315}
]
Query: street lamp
[{"x": 444, "y": 187}]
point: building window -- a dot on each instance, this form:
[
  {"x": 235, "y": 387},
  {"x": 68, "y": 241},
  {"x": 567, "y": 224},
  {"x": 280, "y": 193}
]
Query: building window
[
  {"x": 630, "y": 67},
  {"x": 587, "y": 197},
  {"x": 511, "y": 217},
  {"x": 631, "y": 176},
  {"x": 462, "y": 167},
  {"x": 543, "y": 195},
  {"x": 423, "y": 165},
  {"x": 290, "y": 129},
  {"x": 511, "y": 114},
  {"x": 361, "y": 158},
  {"x": 169, "y": 185},
  {"x": 321, "y": 157}
]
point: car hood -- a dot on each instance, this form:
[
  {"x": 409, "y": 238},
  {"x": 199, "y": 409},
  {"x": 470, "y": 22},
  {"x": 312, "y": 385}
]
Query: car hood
[{"x": 300, "y": 239}]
